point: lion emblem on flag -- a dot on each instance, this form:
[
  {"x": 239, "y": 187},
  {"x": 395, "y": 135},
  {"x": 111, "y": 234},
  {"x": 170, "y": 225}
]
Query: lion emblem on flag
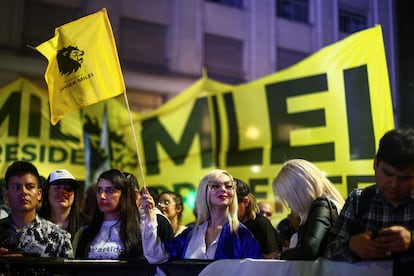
[{"x": 69, "y": 59}]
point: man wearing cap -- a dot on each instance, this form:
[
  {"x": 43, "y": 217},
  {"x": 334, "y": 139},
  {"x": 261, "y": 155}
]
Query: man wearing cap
[
  {"x": 258, "y": 225},
  {"x": 23, "y": 231},
  {"x": 62, "y": 201}
]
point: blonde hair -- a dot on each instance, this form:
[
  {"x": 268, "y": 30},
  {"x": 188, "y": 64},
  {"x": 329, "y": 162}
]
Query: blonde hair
[
  {"x": 300, "y": 182},
  {"x": 203, "y": 202}
]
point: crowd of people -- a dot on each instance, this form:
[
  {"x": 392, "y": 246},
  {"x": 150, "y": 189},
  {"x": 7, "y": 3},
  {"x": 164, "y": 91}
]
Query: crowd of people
[{"x": 116, "y": 219}]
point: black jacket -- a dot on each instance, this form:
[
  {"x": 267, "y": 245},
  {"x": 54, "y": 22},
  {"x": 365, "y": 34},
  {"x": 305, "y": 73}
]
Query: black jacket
[
  {"x": 312, "y": 234},
  {"x": 264, "y": 233}
]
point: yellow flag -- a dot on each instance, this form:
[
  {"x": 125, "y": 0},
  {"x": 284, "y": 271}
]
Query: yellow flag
[{"x": 83, "y": 65}]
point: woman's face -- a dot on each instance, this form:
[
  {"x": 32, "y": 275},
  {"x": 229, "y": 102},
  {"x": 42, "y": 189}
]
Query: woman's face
[
  {"x": 108, "y": 198},
  {"x": 61, "y": 196},
  {"x": 221, "y": 191},
  {"x": 168, "y": 206}
]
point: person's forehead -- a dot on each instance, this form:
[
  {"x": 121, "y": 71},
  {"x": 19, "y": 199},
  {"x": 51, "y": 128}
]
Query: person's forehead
[
  {"x": 105, "y": 183},
  {"x": 166, "y": 197},
  {"x": 406, "y": 171},
  {"x": 222, "y": 177},
  {"x": 265, "y": 206},
  {"x": 24, "y": 178}
]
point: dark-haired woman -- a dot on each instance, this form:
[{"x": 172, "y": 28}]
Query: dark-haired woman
[
  {"x": 171, "y": 205},
  {"x": 61, "y": 201},
  {"x": 114, "y": 230}
]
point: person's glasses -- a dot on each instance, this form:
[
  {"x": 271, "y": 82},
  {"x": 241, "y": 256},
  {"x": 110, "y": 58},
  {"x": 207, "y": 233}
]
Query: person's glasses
[
  {"x": 107, "y": 191},
  {"x": 66, "y": 187},
  {"x": 215, "y": 185},
  {"x": 164, "y": 204}
]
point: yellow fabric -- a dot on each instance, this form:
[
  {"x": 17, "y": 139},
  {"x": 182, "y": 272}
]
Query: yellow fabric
[
  {"x": 242, "y": 139},
  {"x": 83, "y": 66},
  {"x": 231, "y": 126},
  {"x": 26, "y": 132}
]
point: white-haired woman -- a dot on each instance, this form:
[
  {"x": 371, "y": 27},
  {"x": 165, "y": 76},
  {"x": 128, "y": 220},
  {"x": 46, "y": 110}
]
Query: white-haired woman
[
  {"x": 308, "y": 193},
  {"x": 217, "y": 233}
]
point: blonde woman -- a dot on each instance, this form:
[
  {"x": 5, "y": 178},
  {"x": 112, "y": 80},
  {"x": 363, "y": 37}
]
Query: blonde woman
[
  {"x": 308, "y": 193},
  {"x": 217, "y": 233}
]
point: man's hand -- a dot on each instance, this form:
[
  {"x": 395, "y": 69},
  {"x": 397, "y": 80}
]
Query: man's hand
[
  {"x": 396, "y": 239},
  {"x": 367, "y": 248}
]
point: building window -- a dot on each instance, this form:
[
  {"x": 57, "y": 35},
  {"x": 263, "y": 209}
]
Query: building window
[
  {"x": 37, "y": 28},
  {"x": 286, "y": 58},
  {"x": 6, "y": 23},
  {"x": 296, "y": 10},
  {"x": 350, "y": 22},
  {"x": 230, "y": 3},
  {"x": 143, "y": 45},
  {"x": 223, "y": 58}
]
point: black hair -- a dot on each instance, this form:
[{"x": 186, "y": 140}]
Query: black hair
[
  {"x": 178, "y": 199},
  {"x": 242, "y": 188},
  {"x": 396, "y": 148},
  {"x": 154, "y": 194},
  {"x": 133, "y": 179},
  {"x": 19, "y": 168}
]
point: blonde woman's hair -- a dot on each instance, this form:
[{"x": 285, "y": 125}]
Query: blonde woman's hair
[
  {"x": 300, "y": 182},
  {"x": 203, "y": 202}
]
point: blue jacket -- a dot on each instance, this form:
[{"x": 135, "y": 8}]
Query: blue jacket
[{"x": 230, "y": 245}]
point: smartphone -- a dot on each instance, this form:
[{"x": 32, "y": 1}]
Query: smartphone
[{"x": 374, "y": 234}]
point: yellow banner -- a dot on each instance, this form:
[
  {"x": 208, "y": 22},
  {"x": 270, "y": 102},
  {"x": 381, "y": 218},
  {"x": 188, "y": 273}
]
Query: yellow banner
[
  {"x": 26, "y": 132},
  {"x": 83, "y": 66},
  {"x": 331, "y": 108}
]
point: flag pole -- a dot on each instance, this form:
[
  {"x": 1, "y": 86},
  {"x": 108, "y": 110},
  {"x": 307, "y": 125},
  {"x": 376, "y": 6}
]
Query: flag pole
[{"x": 135, "y": 140}]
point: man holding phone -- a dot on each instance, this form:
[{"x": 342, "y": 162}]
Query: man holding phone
[{"x": 384, "y": 230}]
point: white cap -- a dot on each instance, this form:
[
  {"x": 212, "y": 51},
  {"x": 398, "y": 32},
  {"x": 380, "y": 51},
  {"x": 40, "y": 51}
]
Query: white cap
[{"x": 62, "y": 175}]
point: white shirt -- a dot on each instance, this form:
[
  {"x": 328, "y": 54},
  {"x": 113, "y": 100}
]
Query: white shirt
[
  {"x": 152, "y": 246},
  {"x": 197, "y": 248},
  {"x": 107, "y": 244},
  {"x": 155, "y": 252}
]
